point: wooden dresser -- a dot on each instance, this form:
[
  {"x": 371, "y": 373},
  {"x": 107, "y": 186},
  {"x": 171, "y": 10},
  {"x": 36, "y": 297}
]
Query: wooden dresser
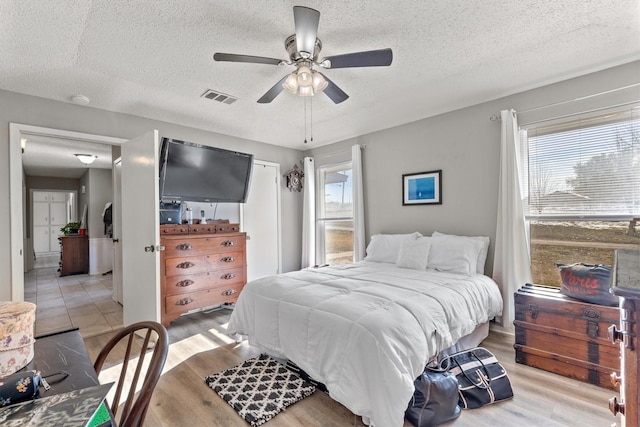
[
  {"x": 74, "y": 255},
  {"x": 626, "y": 285},
  {"x": 203, "y": 265}
]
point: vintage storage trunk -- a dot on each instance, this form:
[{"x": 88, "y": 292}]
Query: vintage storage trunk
[{"x": 565, "y": 336}]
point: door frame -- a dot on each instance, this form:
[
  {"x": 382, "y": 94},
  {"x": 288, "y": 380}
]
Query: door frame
[
  {"x": 17, "y": 232},
  {"x": 116, "y": 230}
]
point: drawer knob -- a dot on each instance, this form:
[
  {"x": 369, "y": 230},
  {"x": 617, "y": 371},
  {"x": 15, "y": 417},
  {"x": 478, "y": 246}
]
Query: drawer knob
[
  {"x": 615, "y": 379},
  {"x": 616, "y": 407},
  {"x": 184, "y": 247},
  {"x": 614, "y": 334},
  {"x": 229, "y": 292},
  {"x": 228, "y": 243},
  {"x": 184, "y": 301},
  {"x": 228, "y": 276},
  {"x": 228, "y": 259},
  {"x": 185, "y": 283},
  {"x": 186, "y": 264}
]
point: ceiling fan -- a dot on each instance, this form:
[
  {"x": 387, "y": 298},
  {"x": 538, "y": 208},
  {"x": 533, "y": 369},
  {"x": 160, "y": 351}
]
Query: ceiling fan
[{"x": 303, "y": 48}]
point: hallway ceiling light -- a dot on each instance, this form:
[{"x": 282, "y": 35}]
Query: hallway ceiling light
[{"x": 87, "y": 159}]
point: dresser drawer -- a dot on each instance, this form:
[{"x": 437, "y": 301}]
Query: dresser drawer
[
  {"x": 203, "y": 263},
  {"x": 184, "y": 246},
  {"x": 172, "y": 229},
  {"x": 178, "y": 304},
  {"x": 202, "y": 228},
  {"x": 176, "y": 285}
]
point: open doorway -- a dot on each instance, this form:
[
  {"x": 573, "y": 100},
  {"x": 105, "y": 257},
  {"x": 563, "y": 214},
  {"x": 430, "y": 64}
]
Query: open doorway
[{"x": 22, "y": 234}]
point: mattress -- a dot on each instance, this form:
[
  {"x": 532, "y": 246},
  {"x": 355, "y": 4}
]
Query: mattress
[{"x": 365, "y": 330}]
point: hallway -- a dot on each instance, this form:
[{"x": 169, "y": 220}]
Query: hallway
[{"x": 78, "y": 301}]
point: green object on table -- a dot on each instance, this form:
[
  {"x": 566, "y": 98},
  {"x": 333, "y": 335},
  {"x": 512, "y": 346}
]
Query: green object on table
[{"x": 101, "y": 417}]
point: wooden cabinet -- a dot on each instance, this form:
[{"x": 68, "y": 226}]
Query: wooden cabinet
[
  {"x": 626, "y": 284},
  {"x": 199, "y": 269},
  {"x": 74, "y": 258},
  {"x": 627, "y": 406}
]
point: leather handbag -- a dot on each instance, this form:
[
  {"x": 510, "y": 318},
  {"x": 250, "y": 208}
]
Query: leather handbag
[
  {"x": 482, "y": 379},
  {"x": 435, "y": 399}
]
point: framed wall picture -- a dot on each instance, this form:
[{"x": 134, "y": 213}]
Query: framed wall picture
[{"x": 423, "y": 188}]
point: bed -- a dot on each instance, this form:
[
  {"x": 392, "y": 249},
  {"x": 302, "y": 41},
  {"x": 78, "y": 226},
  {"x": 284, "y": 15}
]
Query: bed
[{"x": 366, "y": 330}]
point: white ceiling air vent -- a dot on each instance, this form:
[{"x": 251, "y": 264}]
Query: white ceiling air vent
[{"x": 218, "y": 96}]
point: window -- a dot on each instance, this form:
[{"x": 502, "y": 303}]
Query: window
[
  {"x": 581, "y": 179},
  {"x": 334, "y": 223}
]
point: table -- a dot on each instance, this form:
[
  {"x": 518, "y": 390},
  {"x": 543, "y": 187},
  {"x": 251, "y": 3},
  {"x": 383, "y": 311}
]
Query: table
[{"x": 63, "y": 352}]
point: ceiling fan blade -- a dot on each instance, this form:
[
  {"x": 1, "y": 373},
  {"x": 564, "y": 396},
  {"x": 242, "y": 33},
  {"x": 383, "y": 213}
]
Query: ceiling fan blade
[
  {"x": 232, "y": 57},
  {"x": 273, "y": 92},
  {"x": 306, "y": 20},
  {"x": 370, "y": 58},
  {"x": 332, "y": 90}
]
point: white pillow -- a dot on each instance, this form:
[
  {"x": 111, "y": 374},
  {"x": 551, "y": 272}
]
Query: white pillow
[
  {"x": 454, "y": 255},
  {"x": 386, "y": 247},
  {"x": 482, "y": 255},
  {"x": 414, "y": 254}
]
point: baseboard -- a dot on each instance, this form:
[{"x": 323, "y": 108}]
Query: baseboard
[{"x": 499, "y": 329}]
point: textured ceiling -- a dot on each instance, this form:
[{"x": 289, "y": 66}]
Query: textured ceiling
[
  {"x": 54, "y": 157},
  {"x": 154, "y": 58}
]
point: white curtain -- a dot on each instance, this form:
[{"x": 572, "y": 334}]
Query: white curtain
[
  {"x": 309, "y": 215},
  {"x": 511, "y": 264},
  {"x": 358, "y": 203}
]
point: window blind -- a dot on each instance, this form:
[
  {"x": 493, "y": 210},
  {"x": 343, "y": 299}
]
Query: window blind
[{"x": 584, "y": 167}]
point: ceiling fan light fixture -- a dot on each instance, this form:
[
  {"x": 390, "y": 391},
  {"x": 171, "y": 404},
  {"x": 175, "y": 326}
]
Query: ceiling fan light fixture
[
  {"x": 319, "y": 82},
  {"x": 291, "y": 83},
  {"x": 87, "y": 159},
  {"x": 305, "y": 79},
  {"x": 305, "y": 91}
]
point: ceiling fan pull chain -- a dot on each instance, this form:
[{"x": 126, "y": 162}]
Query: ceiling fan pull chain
[
  {"x": 311, "y": 121},
  {"x": 305, "y": 119}
]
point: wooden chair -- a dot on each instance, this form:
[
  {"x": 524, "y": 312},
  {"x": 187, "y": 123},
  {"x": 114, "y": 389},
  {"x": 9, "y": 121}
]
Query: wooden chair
[{"x": 131, "y": 344}]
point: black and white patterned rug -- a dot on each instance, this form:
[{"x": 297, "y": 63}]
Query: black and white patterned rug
[{"x": 259, "y": 388}]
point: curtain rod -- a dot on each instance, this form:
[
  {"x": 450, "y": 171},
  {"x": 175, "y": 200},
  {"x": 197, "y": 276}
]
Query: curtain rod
[
  {"x": 495, "y": 117},
  {"x": 564, "y": 116},
  {"x": 580, "y": 98}
]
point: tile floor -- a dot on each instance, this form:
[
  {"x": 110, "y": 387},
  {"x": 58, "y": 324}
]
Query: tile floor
[{"x": 78, "y": 301}]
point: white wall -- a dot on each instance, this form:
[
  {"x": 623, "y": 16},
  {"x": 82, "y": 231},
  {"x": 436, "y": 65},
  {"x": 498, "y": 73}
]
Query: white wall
[
  {"x": 99, "y": 191},
  {"x": 29, "y": 110}
]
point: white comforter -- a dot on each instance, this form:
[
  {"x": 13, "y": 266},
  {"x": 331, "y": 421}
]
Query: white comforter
[{"x": 365, "y": 330}]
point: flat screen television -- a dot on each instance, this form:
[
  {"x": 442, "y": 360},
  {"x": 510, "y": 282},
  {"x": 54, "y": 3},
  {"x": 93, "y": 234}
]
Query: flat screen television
[{"x": 199, "y": 173}]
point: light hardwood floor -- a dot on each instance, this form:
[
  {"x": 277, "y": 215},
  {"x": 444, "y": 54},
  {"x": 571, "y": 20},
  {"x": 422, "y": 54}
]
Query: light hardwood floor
[{"x": 200, "y": 347}]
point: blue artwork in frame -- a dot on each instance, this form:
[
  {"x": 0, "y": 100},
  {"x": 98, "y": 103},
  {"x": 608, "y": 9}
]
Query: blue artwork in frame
[{"x": 423, "y": 188}]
